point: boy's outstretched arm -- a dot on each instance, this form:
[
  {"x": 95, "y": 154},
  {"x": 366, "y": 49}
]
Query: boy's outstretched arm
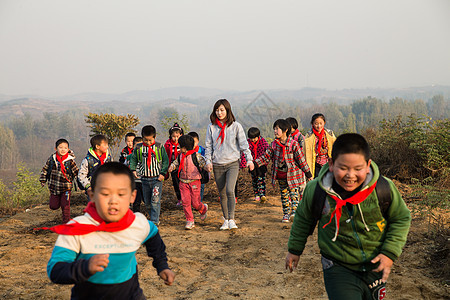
[{"x": 157, "y": 250}]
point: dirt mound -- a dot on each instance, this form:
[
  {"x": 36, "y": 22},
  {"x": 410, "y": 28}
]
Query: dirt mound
[{"x": 247, "y": 263}]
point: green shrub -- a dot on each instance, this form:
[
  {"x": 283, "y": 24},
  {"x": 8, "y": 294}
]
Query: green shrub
[
  {"x": 27, "y": 188},
  {"x": 415, "y": 147}
]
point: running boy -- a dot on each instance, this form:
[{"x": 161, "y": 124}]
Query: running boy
[
  {"x": 97, "y": 155},
  {"x": 289, "y": 168},
  {"x": 59, "y": 171},
  {"x": 295, "y": 133},
  {"x": 359, "y": 236},
  {"x": 200, "y": 150},
  {"x": 189, "y": 165},
  {"x": 129, "y": 138},
  {"x": 96, "y": 251},
  {"x": 173, "y": 150},
  {"x": 150, "y": 163}
]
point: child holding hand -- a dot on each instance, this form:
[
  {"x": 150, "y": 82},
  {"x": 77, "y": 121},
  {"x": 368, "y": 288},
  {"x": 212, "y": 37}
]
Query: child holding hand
[{"x": 189, "y": 164}]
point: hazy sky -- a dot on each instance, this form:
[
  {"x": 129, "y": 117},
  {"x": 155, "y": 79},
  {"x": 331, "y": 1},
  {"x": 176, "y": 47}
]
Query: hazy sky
[{"x": 59, "y": 47}]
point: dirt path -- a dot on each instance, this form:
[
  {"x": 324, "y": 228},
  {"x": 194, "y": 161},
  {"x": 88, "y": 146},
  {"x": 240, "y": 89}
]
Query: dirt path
[{"x": 247, "y": 263}]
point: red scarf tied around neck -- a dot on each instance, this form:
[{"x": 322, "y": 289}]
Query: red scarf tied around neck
[
  {"x": 183, "y": 158},
  {"x": 82, "y": 229},
  {"x": 61, "y": 160},
  {"x": 282, "y": 147},
  {"x": 255, "y": 148},
  {"x": 319, "y": 137},
  {"x": 222, "y": 130},
  {"x": 101, "y": 157},
  {"x": 355, "y": 199},
  {"x": 150, "y": 152},
  {"x": 129, "y": 150},
  {"x": 173, "y": 146}
]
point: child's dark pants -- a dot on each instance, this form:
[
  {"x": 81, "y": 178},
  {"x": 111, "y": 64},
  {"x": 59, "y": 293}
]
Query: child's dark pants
[{"x": 62, "y": 200}]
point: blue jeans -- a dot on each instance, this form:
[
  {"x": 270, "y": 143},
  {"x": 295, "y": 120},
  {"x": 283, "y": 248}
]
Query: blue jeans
[
  {"x": 202, "y": 190},
  {"x": 151, "y": 190}
]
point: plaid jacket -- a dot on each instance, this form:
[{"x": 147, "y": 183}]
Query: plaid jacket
[
  {"x": 295, "y": 161},
  {"x": 57, "y": 183}
]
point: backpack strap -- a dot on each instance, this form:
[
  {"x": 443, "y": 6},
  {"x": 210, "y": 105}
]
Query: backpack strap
[
  {"x": 383, "y": 191},
  {"x": 318, "y": 203}
]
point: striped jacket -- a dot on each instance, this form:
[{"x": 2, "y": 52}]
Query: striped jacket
[
  {"x": 295, "y": 161},
  {"x": 88, "y": 165},
  {"x": 57, "y": 182},
  {"x": 158, "y": 166}
]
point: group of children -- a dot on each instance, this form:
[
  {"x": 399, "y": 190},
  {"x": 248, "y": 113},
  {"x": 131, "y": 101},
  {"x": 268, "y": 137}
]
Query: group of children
[{"x": 362, "y": 245}]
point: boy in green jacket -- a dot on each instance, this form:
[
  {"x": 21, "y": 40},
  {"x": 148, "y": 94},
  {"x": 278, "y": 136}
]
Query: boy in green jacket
[{"x": 358, "y": 240}]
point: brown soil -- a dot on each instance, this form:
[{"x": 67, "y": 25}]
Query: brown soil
[{"x": 246, "y": 263}]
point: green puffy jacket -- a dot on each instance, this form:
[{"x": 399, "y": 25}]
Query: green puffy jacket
[{"x": 361, "y": 236}]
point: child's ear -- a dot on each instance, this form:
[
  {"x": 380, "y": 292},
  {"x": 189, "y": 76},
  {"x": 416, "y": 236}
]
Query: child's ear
[
  {"x": 133, "y": 196},
  {"x": 330, "y": 164},
  {"x": 368, "y": 166},
  {"x": 91, "y": 194}
]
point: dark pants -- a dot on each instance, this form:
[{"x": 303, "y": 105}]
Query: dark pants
[
  {"x": 345, "y": 284},
  {"x": 62, "y": 200},
  {"x": 139, "y": 199},
  {"x": 317, "y": 169},
  {"x": 176, "y": 184}
]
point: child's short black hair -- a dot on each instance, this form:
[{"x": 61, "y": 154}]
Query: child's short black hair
[
  {"x": 186, "y": 141},
  {"x": 293, "y": 122},
  {"x": 175, "y": 128},
  {"x": 283, "y": 125},
  {"x": 194, "y": 135},
  {"x": 116, "y": 168},
  {"x": 253, "y": 132},
  {"x": 61, "y": 141},
  {"x": 350, "y": 143},
  {"x": 316, "y": 116},
  {"x": 137, "y": 139},
  {"x": 130, "y": 134},
  {"x": 96, "y": 140},
  {"x": 148, "y": 130}
]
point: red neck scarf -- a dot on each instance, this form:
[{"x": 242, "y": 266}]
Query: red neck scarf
[
  {"x": 182, "y": 159},
  {"x": 295, "y": 132},
  {"x": 101, "y": 157},
  {"x": 150, "y": 152},
  {"x": 130, "y": 150},
  {"x": 319, "y": 137},
  {"x": 255, "y": 148},
  {"x": 173, "y": 145},
  {"x": 282, "y": 147},
  {"x": 82, "y": 229},
  {"x": 61, "y": 160},
  {"x": 355, "y": 199},
  {"x": 222, "y": 130},
  {"x": 196, "y": 148}
]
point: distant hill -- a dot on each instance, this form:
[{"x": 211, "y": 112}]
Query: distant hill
[{"x": 198, "y": 98}]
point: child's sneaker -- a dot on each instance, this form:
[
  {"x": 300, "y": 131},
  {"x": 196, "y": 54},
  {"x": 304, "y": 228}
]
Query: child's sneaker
[
  {"x": 189, "y": 225},
  {"x": 225, "y": 225},
  {"x": 263, "y": 199},
  {"x": 179, "y": 203},
  {"x": 203, "y": 216},
  {"x": 257, "y": 198},
  {"x": 232, "y": 224},
  {"x": 285, "y": 218}
]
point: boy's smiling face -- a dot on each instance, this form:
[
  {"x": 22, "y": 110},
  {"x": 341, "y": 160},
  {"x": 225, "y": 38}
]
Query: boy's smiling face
[
  {"x": 350, "y": 170},
  {"x": 112, "y": 196},
  {"x": 149, "y": 139},
  {"x": 62, "y": 149},
  {"x": 102, "y": 148}
]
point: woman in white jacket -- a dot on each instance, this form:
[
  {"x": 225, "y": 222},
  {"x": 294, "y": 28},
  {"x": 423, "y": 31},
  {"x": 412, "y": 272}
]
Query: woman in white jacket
[{"x": 225, "y": 139}]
